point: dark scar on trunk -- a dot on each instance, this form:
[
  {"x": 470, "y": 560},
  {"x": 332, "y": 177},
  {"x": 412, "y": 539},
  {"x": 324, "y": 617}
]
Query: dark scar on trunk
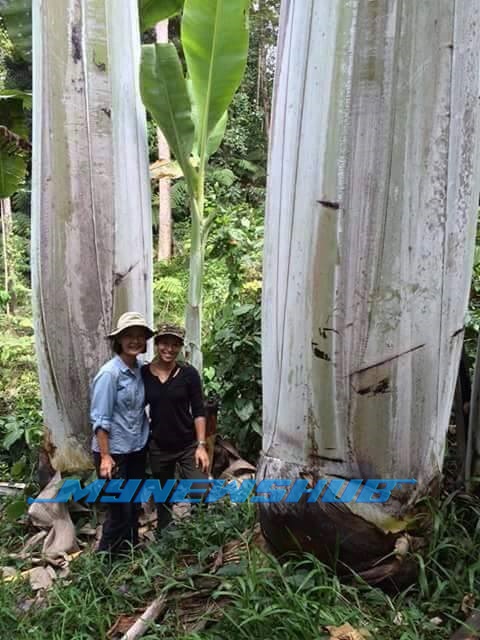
[
  {"x": 76, "y": 43},
  {"x": 321, "y": 354},
  {"x": 323, "y": 331},
  {"x": 329, "y": 204},
  {"x": 121, "y": 276},
  {"x": 380, "y": 387}
]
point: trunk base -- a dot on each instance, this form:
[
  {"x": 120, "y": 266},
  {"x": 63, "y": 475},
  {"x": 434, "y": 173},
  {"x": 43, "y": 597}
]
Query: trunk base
[{"x": 334, "y": 534}]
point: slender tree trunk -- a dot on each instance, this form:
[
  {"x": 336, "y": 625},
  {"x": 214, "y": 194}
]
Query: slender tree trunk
[
  {"x": 472, "y": 458},
  {"x": 91, "y": 221},
  {"x": 259, "y": 71},
  {"x": 262, "y": 97},
  {"x": 370, "y": 230},
  {"x": 193, "y": 312},
  {"x": 6, "y": 216},
  {"x": 164, "y": 210}
]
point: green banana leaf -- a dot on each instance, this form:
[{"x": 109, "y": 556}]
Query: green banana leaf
[
  {"x": 14, "y": 146},
  {"x": 24, "y": 96},
  {"x": 215, "y": 43},
  {"x": 216, "y": 136},
  {"x": 153, "y": 11},
  {"x": 12, "y": 113},
  {"x": 13, "y": 164},
  {"x": 164, "y": 93},
  {"x": 17, "y": 17}
]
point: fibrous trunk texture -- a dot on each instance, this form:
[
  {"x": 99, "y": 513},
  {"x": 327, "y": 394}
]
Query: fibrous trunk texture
[
  {"x": 370, "y": 227},
  {"x": 91, "y": 220}
]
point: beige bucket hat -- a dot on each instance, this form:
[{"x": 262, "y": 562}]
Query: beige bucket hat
[{"x": 130, "y": 319}]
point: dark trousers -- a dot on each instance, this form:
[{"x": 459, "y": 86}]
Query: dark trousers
[
  {"x": 162, "y": 465},
  {"x": 120, "y": 528}
]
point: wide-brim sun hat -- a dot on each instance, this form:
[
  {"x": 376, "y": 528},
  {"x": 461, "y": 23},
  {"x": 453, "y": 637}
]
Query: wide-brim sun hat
[
  {"x": 166, "y": 329},
  {"x": 130, "y": 319}
]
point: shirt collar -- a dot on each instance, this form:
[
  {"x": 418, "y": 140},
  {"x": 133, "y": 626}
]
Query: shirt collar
[{"x": 125, "y": 368}]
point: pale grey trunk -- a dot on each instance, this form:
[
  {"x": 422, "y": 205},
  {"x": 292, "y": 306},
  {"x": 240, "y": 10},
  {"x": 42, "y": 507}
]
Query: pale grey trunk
[
  {"x": 91, "y": 233},
  {"x": 193, "y": 310},
  {"x": 370, "y": 227},
  {"x": 164, "y": 207},
  {"x": 6, "y": 220}
]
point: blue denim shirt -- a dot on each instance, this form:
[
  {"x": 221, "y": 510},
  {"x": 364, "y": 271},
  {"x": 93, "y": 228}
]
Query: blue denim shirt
[{"x": 118, "y": 406}]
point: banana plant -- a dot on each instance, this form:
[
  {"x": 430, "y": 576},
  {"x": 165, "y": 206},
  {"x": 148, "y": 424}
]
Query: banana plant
[{"x": 191, "y": 110}]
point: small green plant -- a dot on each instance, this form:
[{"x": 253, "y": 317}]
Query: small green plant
[
  {"x": 233, "y": 374},
  {"x": 20, "y": 411},
  {"x": 15, "y": 429}
]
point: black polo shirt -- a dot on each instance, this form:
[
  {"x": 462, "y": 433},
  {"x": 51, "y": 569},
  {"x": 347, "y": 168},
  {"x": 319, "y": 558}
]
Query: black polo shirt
[{"x": 174, "y": 404}]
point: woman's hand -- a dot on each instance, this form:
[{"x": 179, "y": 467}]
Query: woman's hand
[
  {"x": 201, "y": 458},
  {"x": 107, "y": 465}
]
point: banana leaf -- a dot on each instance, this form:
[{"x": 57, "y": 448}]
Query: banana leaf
[
  {"x": 153, "y": 11},
  {"x": 164, "y": 93},
  {"x": 13, "y": 145},
  {"x": 13, "y": 165},
  {"x": 215, "y": 43},
  {"x": 216, "y": 136}
]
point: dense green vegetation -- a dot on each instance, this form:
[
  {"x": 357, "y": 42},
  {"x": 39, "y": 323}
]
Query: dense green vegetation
[{"x": 259, "y": 596}]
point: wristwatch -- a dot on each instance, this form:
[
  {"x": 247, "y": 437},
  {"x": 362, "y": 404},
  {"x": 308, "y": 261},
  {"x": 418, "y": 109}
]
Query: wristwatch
[{"x": 201, "y": 443}]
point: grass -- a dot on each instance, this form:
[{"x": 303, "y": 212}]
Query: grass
[{"x": 260, "y": 597}]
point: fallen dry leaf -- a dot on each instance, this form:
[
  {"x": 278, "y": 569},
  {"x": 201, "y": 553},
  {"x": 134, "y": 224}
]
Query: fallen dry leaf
[
  {"x": 218, "y": 562},
  {"x": 347, "y": 632},
  {"x": 181, "y": 510},
  {"x": 146, "y": 534},
  {"x": 402, "y": 546},
  {"x": 398, "y": 619},
  {"x": 165, "y": 169},
  {"x": 468, "y": 603},
  {"x": 87, "y": 530},
  {"x": 54, "y": 518},
  {"x": 26, "y": 604},
  {"x": 8, "y": 572},
  {"x": 41, "y": 578}
]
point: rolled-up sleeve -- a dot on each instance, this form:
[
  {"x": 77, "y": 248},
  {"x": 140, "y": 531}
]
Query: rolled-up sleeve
[{"x": 102, "y": 401}]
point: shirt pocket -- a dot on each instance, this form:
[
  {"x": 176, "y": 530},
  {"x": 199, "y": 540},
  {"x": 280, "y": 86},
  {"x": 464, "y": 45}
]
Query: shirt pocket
[{"x": 125, "y": 391}]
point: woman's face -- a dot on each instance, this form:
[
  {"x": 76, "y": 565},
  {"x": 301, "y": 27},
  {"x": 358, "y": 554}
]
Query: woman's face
[
  {"x": 133, "y": 341},
  {"x": 168, "y": 348}
]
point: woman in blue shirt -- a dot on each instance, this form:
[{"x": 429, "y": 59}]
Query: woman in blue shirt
[{"x": 120, "y": 425}]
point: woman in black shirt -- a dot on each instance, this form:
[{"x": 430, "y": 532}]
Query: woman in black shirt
[{"x": 177, "y": 414}]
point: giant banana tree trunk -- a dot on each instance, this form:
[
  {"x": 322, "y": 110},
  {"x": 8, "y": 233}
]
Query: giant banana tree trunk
[
  {"x": 91, "y": 233},
  {"x": 373, "y": 185}
]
